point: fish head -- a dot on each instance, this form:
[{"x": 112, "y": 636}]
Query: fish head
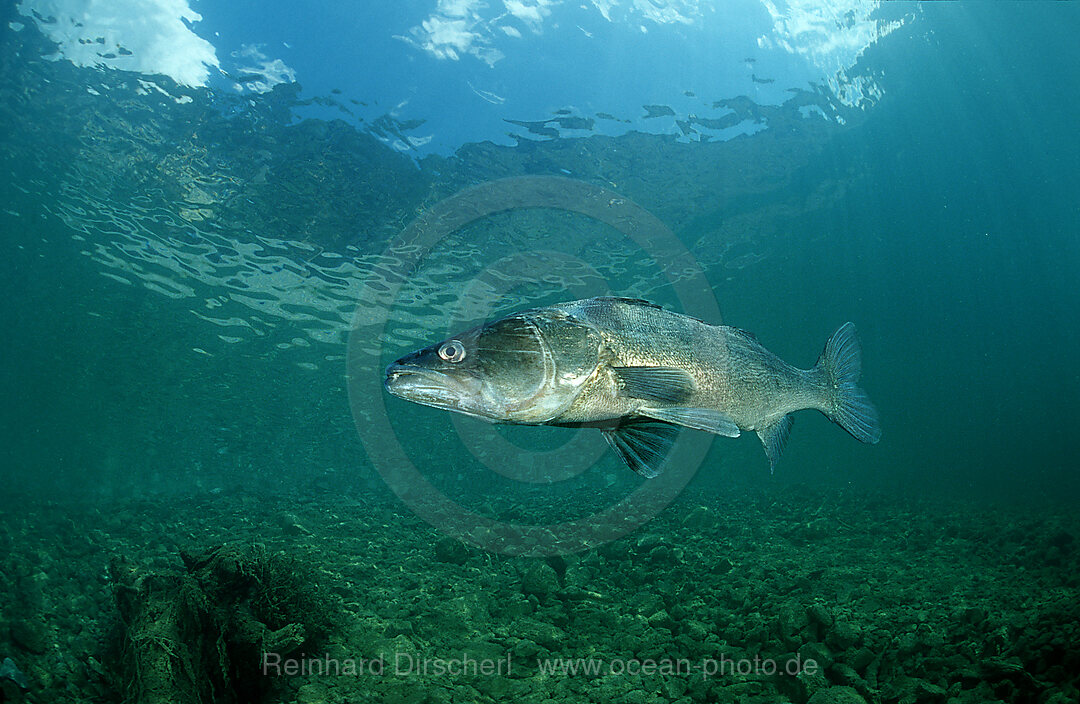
[{"x": 525, "y": 368}]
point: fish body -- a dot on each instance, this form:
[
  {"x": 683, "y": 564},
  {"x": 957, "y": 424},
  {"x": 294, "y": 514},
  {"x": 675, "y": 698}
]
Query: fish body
[{"x": 637, "y": 372}]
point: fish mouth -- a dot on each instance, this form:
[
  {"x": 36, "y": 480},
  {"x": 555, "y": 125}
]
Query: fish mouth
[{"x": 423, "y": 385}]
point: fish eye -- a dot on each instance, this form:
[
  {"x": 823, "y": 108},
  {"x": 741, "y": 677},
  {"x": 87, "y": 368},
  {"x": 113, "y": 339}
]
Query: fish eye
[{"x": 452, "y": 351}]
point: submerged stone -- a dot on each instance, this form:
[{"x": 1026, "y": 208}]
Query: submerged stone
[
  {"x": 451, "y": 551},
  {"x": 540, "y": 580},
  {"x": 819, "y": 613},
  {"x": 10, "y": 671},
  {"x": 29, "y": 634},
  {"x": 837, "y": 695}
]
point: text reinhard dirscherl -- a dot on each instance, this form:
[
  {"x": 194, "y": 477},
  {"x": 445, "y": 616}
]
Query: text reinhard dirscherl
[{"x": 465, "y": 665}]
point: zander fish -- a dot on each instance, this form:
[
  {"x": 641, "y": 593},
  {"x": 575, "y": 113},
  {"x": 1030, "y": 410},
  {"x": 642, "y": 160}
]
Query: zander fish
[{"x": 637, "y": 372}]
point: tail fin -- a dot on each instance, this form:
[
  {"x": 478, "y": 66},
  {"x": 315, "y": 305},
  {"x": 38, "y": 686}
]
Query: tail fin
[{"x": 845, "y": 403}]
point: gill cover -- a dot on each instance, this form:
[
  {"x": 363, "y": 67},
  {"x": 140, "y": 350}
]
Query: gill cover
[{"x": 535, "y": 363}]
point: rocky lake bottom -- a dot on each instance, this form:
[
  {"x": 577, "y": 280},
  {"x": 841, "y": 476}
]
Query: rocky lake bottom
[{"x": 787, "y": 594}]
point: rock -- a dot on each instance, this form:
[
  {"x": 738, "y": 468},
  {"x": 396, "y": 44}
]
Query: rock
[
  {"x": 285, "y": 639},
  {"x": 616, "y": 550},
  {"x": 312, "y": 693},
  {"x": 860, "y": 659},
  {"x": 419, "y": 695},
  {"x": 842, "y": 636},
  {"x": 512, "y": 605},
  {"x": 545, "y": 634},
  {"x": 819, "y": 613},
  {"x": 484, "y": 650},
  {"x": 994, "y": 669},
  {"x": 1059, "y": 698},
  {"x": 930, "y": 693},
  {"x": 291, "y": 525},
  {"x": 578, "y": 576},
  {"x": 396, "y": 627},
  {"x": 31, "y": 592},
  {"x": 907, "y": 644},
  {"x": 973, "y": 615},
  {"x": 912, "y": 690},
  {"x": 817, "y": 653},
  {"x": 807, "y": 684},
  {"x": 817, "y": 529},
  {"x": 661, "y": 619},
  {"x": 451, "y": 551},
  {"x": 870, "y": 673},
  {"x": 388, "y": 649},
  {"x": 794, "y": 616},
  {"x": 845, "y": 675},
  {"x": 497, "y": 687},
  {"x": 837, "y": 695},
  {"x": 701, "y": 518},
  {"x": 696, "y": 630},
  {"x": 10, "y": 671},
  {"x": 29, "y": 634},
  {"x": 722, "y": 566},
  {"x": 540, "y": 580},
  {"x": 525, "y": 649},
  {"x": 663, "y": 555},
  {"x": 1062, "y": 540},
  {"x": 459, "y": 614},
  {"x": 649, "y": 541}
]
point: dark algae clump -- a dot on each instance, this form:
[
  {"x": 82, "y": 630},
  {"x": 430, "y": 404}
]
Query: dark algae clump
[{"x": 201, "y": 635}]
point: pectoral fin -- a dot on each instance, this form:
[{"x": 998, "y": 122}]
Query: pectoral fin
[
  {"x": 642, "y": 444},
  {"x": 774, "y": 437},
  {"x": 661, "y": 384},
  {"x": 698, "y": 418}
]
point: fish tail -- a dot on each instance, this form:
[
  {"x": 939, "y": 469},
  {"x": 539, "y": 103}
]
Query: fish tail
[{"x": 845, "y": 403}]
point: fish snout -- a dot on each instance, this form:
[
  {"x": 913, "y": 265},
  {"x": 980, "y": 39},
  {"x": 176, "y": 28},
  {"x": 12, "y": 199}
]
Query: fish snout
[
  {"x": 395, "y": 374},
  {"x": 421, "y": 384}
]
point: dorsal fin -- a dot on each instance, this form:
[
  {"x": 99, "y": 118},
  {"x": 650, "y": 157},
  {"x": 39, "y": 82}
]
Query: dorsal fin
[
  {"x": 748, "y": 336},
  {"x": 630, "y": 301}
]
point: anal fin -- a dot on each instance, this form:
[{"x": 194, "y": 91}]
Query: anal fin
[{"x": 774, "y": 437}]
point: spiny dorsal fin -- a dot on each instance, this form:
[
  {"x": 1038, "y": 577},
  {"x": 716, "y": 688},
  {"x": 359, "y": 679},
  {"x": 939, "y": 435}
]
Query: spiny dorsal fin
[
  {"x": 629, "y": 301},
  {"x": 748, "y": 336}
]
